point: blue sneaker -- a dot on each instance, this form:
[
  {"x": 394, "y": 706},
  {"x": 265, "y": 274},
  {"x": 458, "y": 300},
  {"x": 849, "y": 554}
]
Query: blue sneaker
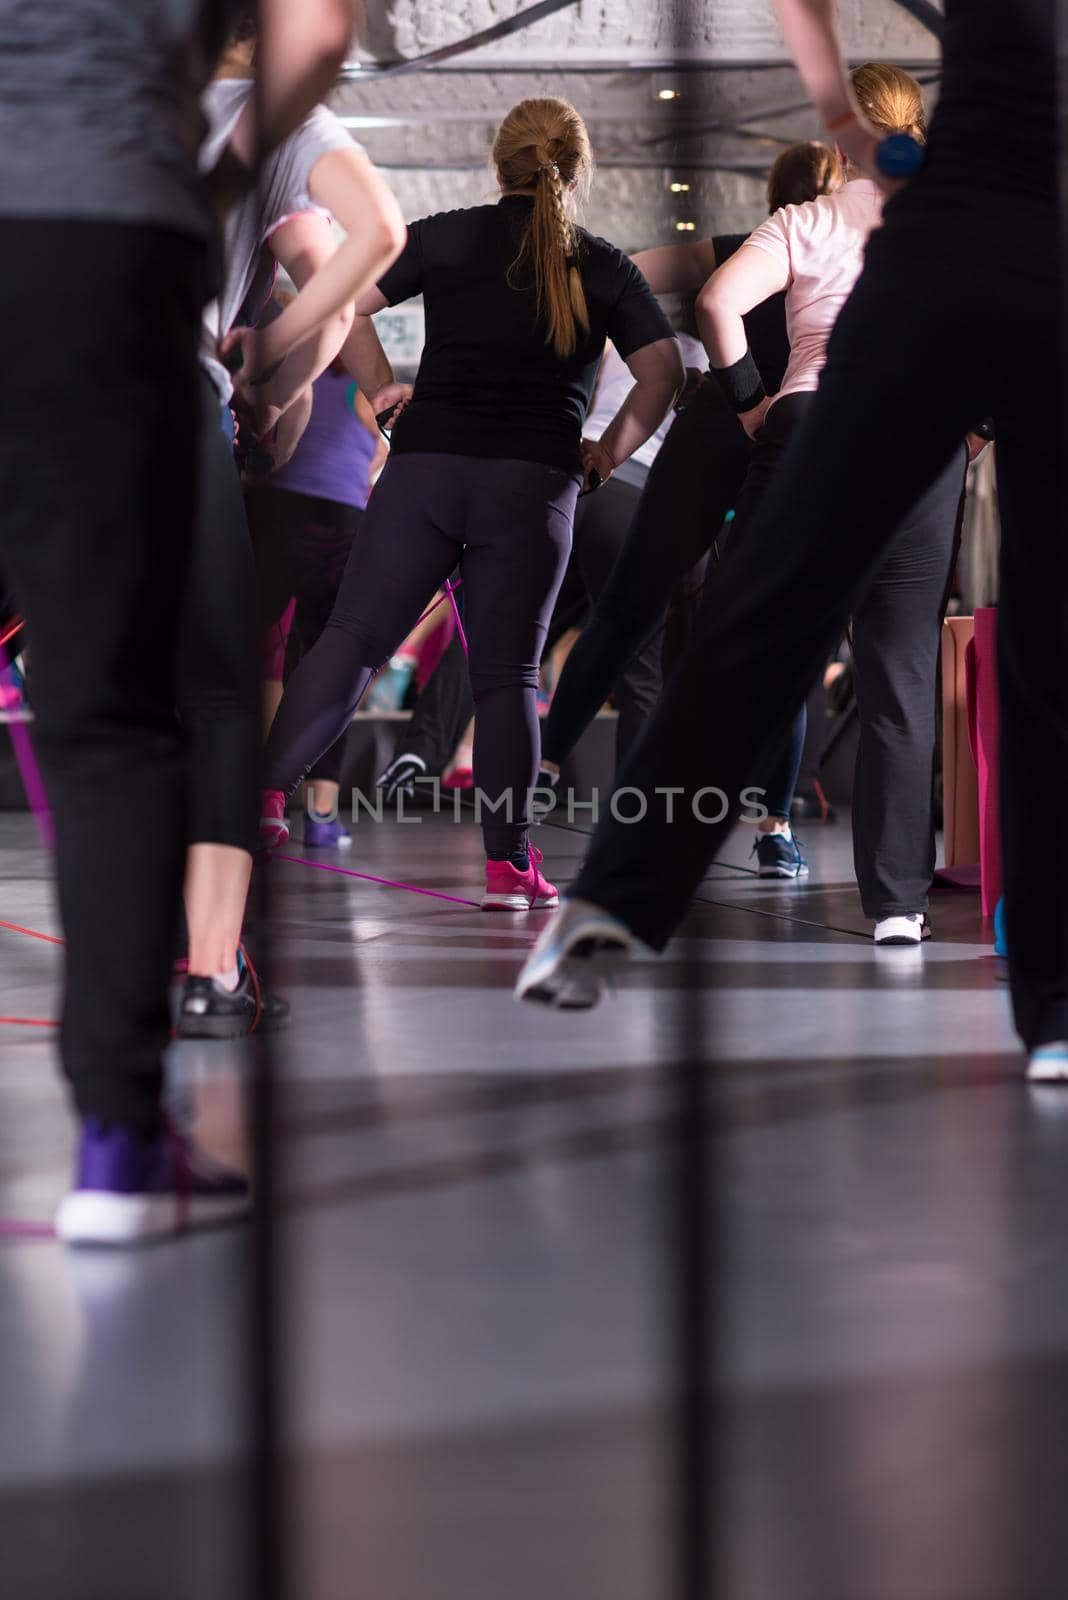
[
  {"x": 390, "y": 688},
  {"x": 129, "y": 1189},
  {"x": 322, "y": 834},
  {"x": 779, "y": 856}
]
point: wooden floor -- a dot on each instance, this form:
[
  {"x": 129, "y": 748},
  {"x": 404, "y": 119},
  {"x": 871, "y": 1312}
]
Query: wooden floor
[{"x": 479, "y": 1268}]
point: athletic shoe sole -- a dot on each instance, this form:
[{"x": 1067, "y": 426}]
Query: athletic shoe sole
[
  {"x": 1048, "y": 1068},
  {"x": 782, "y": 872},
  {"x": 517, "y": 902},
  {"x": 573, "y": 987},
  {"x": 92, "y": 1217},
  {"x": 1046, "y": 1072},
  {"x": 904, "y": 941},
  {"x": 226, "y": 1027}
]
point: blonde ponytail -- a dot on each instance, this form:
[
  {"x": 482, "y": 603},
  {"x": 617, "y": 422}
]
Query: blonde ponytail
[
  {"x": 891, "y": 99},
  {"x": 542, "y": 148}
]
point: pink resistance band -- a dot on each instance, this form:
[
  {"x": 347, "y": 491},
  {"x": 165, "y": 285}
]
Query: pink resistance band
[
  {"x": 451, "y": 592},
  {"x": 30, "y": 772},
  {"x": 15, "y": 1228},
  {"x": 387, "y": 883},
  {"x": 450, "y": 596}
]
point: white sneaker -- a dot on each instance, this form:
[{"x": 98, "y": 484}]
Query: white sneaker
[
  {"x": 910, "y": 929},
  {"x": 1049, "y": 1063},
  {"x": 574, "y": 955}
]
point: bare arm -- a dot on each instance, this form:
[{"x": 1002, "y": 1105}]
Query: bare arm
[
  {"x": 290, "y": 430},
  {"x": 365, "y": 412},
  {"x": 745, "y": 280},
  {"x": 347, "y": 185},
  {"x": 362, "y": 351},
  {"x": 658, "y": 375},
  {"x": 810, "y": 28},
  {"x": 677, "y": 268},
  {"x": 302, "y": 48},
  {"x": 303, "y": 245},
  {"x": 365, "y": 358}
]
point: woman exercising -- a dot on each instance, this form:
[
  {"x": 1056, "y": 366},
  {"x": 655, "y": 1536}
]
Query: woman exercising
[
  {"x": 906, "y": 377},
  {"x": 695, "y": 479},
  {"x": 487, "y": 462}
]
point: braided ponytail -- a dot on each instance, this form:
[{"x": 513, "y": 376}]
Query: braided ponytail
[{"x": 542, "y": 147}]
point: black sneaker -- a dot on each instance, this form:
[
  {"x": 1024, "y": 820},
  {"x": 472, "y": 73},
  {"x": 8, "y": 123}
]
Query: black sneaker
[
  {"x": 779, "y": 856},
  {"x": 400, "y": 778},
  {"x": 210, "y": 1011}
]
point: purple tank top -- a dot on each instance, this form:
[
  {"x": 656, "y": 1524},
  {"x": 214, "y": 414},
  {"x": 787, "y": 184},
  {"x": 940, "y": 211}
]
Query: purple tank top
[{"x": 333, "y": 459}]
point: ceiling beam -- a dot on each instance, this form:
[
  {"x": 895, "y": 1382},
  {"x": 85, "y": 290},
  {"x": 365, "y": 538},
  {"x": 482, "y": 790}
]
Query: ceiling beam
[
  {"x": 361, "y": 72},
  {"x": 926, "y": 14}
]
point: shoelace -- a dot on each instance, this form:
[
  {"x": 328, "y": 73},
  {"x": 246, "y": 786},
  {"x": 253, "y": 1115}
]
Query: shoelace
[{"x": 792, "y": 840}]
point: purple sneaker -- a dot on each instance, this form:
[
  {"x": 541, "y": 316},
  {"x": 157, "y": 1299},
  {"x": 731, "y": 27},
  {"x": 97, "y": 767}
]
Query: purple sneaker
[
  {"x": 322, "y": 834},
  {"x": 130, "y": 1189}
]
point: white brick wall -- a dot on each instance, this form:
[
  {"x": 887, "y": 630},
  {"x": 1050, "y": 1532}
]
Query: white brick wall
[
  {"x": 446, "y": 118},
  {"x": 723, "y": 30},
  {"x": 632, "y": 208}
]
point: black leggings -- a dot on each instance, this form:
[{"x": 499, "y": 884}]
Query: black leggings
[
  {"x": 300, "y": 544},
  {"x": 602, "y": 524},
  {"x": 218, "y": 688},
  {"x": 507, "y": 524},
  {"x": 881, "y": 432},
  {"x": 692, "y": 484},
  {"x": 778, "y": 781},
  {"x": 97, "y": 473},
  {"x": 446, "y": 705}
]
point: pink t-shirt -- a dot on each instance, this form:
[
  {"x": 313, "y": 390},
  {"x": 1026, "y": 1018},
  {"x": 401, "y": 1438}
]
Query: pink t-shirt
[{"x": 821, "y": 244}]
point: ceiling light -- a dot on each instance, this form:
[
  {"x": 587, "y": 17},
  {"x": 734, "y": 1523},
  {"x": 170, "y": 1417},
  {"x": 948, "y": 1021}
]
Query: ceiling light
[
  {"x": 667, "y": 94},
  {"x": 680, "y": 188},
  {"x": 685, "y": 227}
]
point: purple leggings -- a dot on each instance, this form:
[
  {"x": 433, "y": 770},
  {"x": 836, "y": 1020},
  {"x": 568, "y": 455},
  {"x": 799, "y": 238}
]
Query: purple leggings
[{"x": 507, "y": 524}]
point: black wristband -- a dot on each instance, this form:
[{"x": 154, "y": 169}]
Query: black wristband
[{"x": 741, "y": 384}]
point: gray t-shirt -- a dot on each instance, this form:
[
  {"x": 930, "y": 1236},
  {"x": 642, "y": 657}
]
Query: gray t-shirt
[
  {"x": 281, "y": 193},
  {"x": 100, "y": 117}
]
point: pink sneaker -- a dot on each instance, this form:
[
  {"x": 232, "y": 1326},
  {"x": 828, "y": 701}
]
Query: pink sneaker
[
  {"x": 274, "y": 829},
  {"x": 508, "y": 889},
  {"x": 459, "y": 778}
]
